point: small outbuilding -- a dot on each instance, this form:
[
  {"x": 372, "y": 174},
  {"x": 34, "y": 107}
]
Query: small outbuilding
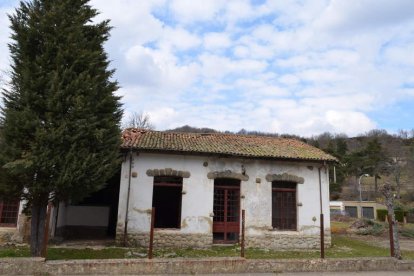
[{"x": 199, "y": 183}]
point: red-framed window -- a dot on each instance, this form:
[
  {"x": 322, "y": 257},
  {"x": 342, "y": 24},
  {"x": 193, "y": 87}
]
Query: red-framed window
[
  {"x": 9, "y": 212},
  {"x": 284, "y": 215}
]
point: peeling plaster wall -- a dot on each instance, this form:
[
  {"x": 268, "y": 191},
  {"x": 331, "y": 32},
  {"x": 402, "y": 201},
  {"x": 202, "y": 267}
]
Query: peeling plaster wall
[
  {"x": 197, "y": 198},
  {"x": 258, "y": 197}
]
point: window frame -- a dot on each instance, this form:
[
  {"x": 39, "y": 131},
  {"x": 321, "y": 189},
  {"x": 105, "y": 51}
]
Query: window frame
[
  {"x": 283, "y": 189},
  {"x": 365, "y": 213},
  {"x": 7, "y": 202}
]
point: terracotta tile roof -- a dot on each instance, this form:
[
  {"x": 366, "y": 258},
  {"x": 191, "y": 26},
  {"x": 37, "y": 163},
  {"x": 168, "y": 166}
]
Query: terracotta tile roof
[{"x": 222, "y": 144}]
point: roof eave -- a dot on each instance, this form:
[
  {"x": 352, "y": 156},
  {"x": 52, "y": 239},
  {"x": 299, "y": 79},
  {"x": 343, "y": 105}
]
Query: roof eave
[{"x": 227, "y": 155}]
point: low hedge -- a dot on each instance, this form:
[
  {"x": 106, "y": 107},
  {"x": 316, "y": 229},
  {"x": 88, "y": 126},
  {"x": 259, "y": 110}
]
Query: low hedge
[
  {"x": 381, "y": 214},
  {"x": 399, "y": 214}
]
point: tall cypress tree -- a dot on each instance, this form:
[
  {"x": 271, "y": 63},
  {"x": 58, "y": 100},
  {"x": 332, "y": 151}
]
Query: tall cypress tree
[{"x": 60, "y": 119}]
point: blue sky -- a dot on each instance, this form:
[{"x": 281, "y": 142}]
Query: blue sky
[{"x": 299, "y": 67}]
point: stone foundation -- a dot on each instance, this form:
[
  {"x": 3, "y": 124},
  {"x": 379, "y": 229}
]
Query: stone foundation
[
  {"x": 17, "y": 234},
  {"x": 168, "y": 240},
  {"x": 173, "y": 239},
  {"x": 6, "y": 234},
  {"x": 192, "y": 266},
  {"x": 286, "y": 241}
]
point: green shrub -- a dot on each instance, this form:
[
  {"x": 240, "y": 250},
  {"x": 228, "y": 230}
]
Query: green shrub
[
  {"x": 381, "y": 214},
  {"x": 399, "y": 214}
]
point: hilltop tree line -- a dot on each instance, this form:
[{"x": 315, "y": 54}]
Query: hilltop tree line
[{"x": 377, "y": 153}]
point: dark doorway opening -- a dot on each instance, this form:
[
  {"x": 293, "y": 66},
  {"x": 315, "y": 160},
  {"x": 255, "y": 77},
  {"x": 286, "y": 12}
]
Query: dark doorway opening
[
  {"x": 106, "y": 199},
  {"x": 166, "y": 200},
  {"x": 226, "y": 207}
]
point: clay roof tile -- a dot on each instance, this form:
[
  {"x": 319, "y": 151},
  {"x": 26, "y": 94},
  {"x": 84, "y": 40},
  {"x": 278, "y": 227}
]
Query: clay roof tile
[{"x": 222, "y": 144}]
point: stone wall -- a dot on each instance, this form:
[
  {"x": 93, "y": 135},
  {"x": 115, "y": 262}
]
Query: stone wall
[
  {"x": 18, "y": 234},
  {"x": 286, "y": 241},
  {"x": 6, "y": 234},
  {"x": 169, "y": 239},
  {"x": 183, "y": 240},
  {"x": 37, "y": 266}
]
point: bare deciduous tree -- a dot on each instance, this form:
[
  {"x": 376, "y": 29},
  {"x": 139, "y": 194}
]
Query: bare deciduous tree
[
  {"x": 389, "y": 202},
  {"x": 398, "y": 165},
  {"x": 138, "y": 120}
]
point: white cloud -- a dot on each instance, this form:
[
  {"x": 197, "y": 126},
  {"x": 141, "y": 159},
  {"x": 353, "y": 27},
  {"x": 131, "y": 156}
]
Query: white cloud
[
  {"x": 349, "y": 121},
  {"x": 241, "y": 51},
  {"x": 132, "y": 20},
  {"x": 321, "y": 75},
  {"x": 289, "y": 79},
  {"x": 400, "y": 54},
  {"x": 362, "y": 15},
  {"x": 179, "y": 38},
  {"x": 163, "y": 115},
  {"x": 214, "y": 66},
  {"x": 214, "y": 41},
  {"x": 4, "y": 51},
  {"x": 186, "y": 11},
  {"x": 142, "y": 62},
  {"x": 301, "y": 67}
]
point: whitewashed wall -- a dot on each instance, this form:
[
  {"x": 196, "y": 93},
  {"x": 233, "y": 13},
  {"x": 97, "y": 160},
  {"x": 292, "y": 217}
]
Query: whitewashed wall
[{"x": 197, "y": 202}]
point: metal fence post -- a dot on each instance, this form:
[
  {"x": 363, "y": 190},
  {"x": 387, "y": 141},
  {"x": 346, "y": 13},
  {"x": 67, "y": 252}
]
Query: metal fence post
[
  {"x": 151, "y": 241},
  {"x": 242, "y": 235},
  {"x": 322, "y": 238},
  {"x": 46, "y": 234}
]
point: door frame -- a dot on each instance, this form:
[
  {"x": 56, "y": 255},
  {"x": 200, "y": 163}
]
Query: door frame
[{"x": 225, "y": 226}]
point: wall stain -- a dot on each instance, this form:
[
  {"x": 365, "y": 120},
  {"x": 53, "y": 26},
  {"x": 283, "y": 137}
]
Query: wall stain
[
  {"x": 259, "y": 228},
  {"x": 142, "y": 211},
  {"x": 184, "y": 223},
  {"x": 200, "y": 220}
]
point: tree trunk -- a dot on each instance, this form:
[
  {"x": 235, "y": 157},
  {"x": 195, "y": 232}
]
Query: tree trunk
[
  {"x": 389, "y": 201},
  {"x": 397, "y": 252},
  {"x": 37, "y": 228},
  {"x": 398, "y": 191},
  {"x": 397, "y": 181},
  {"x": 376, "y": 184}
]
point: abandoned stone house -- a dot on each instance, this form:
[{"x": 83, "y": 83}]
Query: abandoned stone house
[{"x": 199, "y": 184}]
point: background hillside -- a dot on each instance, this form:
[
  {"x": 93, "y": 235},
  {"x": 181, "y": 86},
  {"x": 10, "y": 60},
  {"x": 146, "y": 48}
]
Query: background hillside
[{"x": 384, "y": 157}]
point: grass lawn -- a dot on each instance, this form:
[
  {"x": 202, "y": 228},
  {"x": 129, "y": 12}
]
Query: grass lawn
[
  {"x": 342, "y": 247},
  {"x": 408, "y": 230},
  {"x": 339, "y": 227}
]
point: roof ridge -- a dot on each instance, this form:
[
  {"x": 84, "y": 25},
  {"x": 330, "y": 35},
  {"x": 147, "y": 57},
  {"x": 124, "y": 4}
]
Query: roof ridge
[{"x": 215, "y": 134}]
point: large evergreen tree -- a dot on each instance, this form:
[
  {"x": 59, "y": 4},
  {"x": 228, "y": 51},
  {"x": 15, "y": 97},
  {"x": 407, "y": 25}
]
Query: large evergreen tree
[{"x": 60, "y": 119}]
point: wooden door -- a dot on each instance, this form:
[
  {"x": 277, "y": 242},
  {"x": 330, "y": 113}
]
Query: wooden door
[{"x": 226, "y": 223}]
